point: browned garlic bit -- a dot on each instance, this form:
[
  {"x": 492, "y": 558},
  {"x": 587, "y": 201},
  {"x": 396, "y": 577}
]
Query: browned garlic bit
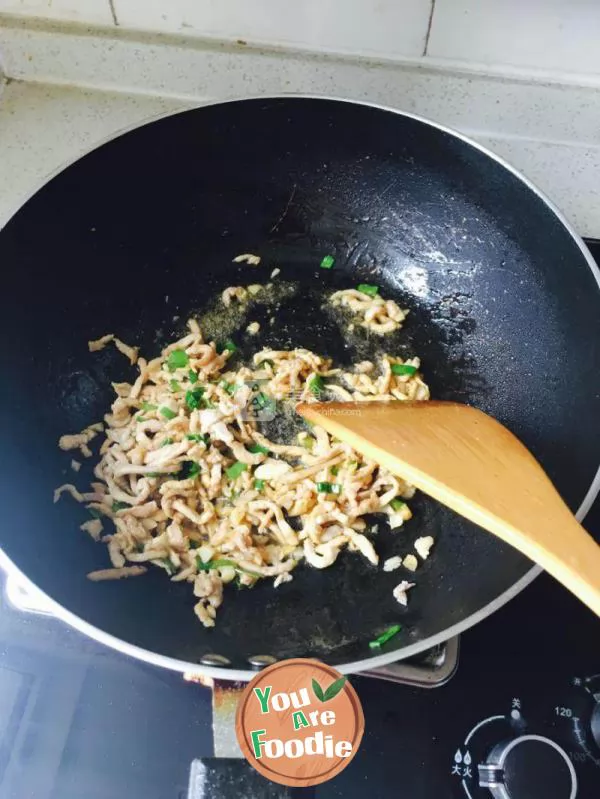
[
  {"x": 190, "y": 484},
  {"x": 248, "y": 258},
  {"x": 423, "y": 546},
  {"x": 93, "y": 528},
  {"x": 400, "y": 592},
  {"x": 410, "y": 563},
  {"x": 231, "y": 293}
]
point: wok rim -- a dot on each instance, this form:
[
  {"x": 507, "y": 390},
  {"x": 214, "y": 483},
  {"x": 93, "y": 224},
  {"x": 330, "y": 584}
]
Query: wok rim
[{"x": 372, "y": 662}]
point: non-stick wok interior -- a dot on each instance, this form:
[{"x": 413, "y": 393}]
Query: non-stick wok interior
[{"x": 141, "y": 233}]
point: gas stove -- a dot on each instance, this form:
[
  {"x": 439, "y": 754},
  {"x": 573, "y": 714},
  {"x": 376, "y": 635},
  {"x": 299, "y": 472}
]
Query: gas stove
[{"x": 515, "y": 715}]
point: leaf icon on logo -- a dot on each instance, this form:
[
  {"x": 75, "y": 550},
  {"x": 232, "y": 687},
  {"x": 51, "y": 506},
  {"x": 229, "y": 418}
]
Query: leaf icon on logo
[
  {"x": 334, "y": 688},
  {"x": 318, "y": 691},
  {"x": 331, "y": 692}
]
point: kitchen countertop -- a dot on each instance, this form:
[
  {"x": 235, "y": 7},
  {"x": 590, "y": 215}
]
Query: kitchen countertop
[{"x": 45, "y": 127}]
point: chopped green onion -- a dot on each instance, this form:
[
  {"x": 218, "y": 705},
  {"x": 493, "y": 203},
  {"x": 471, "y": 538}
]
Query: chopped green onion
[
  {"x": 397, "y": 504},
  {"x": 190, "y": 469},
  {"x": 95, "y": 514},
  {"x": 193, "y": 376},
  {"x": 307, "y": 442},
  {"x": 222, "y": 563},
  {"x": 256, "y": 448},
  {"x": 229, "y": 387},
  {"x": 234, "y": 471},
  {"x": 327, "y": 262},
  {"x": 403, "y": 369},
  {"x": 335, "y": 470},
  {"x": 193, "y": 398},
  {"x": 329, "y": 488},
  {"x": 385, "y": 636},
  {"x": 199, "y": 438},
  {"x": 174, "y": 385},
  {"x": 140, "y": 418},
  {"x": 316, "y": 385},
  {"x": 148, "y": 406},
  {"x": 228, "y": 345},
  {"x": 166, "y": 442},
  {"x": 119, "y": 506},
  {"x": 263, "y": 402},
  {"x": 366, "y": 288},
  {"x": 177, "y": 360},
  {"x": 168, "y": 413},
  {"x": 259, "y": 485},
  {"x": 247, "y": 571},
  {"x": 169, "y": 566}
]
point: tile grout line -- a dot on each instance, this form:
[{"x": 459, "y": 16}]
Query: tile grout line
[
  {"x": 113, "y": 13},
  {"x": 428, "y": 33}
]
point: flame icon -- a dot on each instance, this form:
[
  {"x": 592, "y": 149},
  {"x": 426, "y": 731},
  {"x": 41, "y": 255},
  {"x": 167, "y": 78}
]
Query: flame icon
[
  {"x": 458, "y": 758},
  {"x": 467, "y": 759}
]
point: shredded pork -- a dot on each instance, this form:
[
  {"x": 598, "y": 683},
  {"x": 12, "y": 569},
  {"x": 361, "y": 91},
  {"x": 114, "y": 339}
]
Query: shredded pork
[
  {"x": 370, "y": 311},
  {"x": 191, "y": 485}
]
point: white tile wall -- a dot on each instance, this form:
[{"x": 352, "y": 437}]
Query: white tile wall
[
  {"x": 385, "y": 28},
  {"x": 556, "y": 37},
  {"x": 553, "y": 35},
  {"x": 93, "y": 11}
]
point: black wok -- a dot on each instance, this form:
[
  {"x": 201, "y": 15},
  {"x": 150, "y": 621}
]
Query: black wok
[{"x": 140, "y": 233}]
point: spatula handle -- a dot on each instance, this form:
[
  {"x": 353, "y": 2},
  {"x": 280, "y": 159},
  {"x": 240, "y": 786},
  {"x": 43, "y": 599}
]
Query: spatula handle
[{"x": 574, "y": 560}]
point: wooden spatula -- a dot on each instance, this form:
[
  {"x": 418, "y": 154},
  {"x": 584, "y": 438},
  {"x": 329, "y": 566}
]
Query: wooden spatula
[{"x": 474, "y": 465}]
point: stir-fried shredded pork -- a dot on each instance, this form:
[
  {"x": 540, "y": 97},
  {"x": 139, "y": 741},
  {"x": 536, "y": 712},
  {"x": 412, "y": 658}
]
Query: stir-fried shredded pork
[
  {"x": 192, "y": 485},
  {"x": 100, "y": 343},
  {"x": 371, "y": 311}
]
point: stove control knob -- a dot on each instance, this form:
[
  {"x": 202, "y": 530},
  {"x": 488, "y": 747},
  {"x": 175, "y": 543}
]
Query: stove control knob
[{"x": 529, "y": 767}]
